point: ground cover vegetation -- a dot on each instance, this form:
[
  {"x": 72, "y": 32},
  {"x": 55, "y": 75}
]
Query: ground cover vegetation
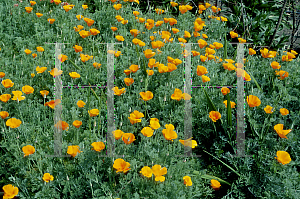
[{"x": 150, "y": 55}]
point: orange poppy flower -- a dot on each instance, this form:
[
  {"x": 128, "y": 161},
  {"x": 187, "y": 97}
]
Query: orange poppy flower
[
  {"x": 80, "y": 104},
  {"x": 27, "y": 89},
  {"x": 4, "y": 114},
  {"x": 62, "y": 125},
  {"x": 53, "y": 103},
  {"x": 77, "y": 123},
  {"x": 128, "y": 81},
  {"x": 118, "y": 91},
  {"x": 169, "y": 132},
  {"x": 284, "y": 111},
  {"x": 28, "y": 9},
  {"x": 10, "y": 191},
  {"x": 135, "y": 117},
  {"x": 283, "y": 157},
  {"x": 279, "y": 130},
  {"x": 93, "y": 112},
  {"x": 28, "y": 150},
  {"x": 5, "y": 97},
  {"x": 121, "y": 166},
  {"x": 128, "y": 138},
  {"x": 158, "y": 171},
  {"x": 253, "y": 101},
  {"x": 73, "y": 150},
  {"x": 215, "y": 184},
  {"x": 146, "y": 95},
  {"x": 117, "y": 134},
  {"x": 214, "y": 115},
  {"x": 148, "y": 53},
  {"x": 89, "y": 21},
  {"x": 98, "y": 146}
]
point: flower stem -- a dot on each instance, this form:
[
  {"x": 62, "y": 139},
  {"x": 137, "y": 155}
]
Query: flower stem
[{"x": 145, "y": 109}]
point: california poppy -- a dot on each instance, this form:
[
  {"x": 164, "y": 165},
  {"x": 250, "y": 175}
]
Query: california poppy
[
  {"x": 77, "y": 123},
  {"x": 118, "y": 91},
  {"x": 215, "y": 184},
  {"x": 205, "y": 78},
  {"x": 201, "y": 70},
  {"x": 187, "y": 181},
  {"x": 39, "y": 14},
  {"x": 73, "y": 150},
  {"x": 79, "y": 17},
  {"x": 253, "y": 101},
  {"x": 28, "y": 9},
  {"x": 47, "y": 177},
  {"x": 18, "y": 96},
  {"x": 158, "y": 171},
  {"x": 279, "y": 130},
  {"x": 80, "y": 104},
  {"x": 120, "y": 38},
  {"x": 214, "y": 115},
  {"x": 251, "y": 51},
  {"x": 7, "y": 83},
  {"x": 284, "y": 111},
  {"x": 189, "y": 142},
  {"x": 55, "y": 72},
  {"x": 4, "y": 114},
  {"x": 275, "y": 65},
  {"x": 27, "y": 51},
  {"x": 233, "y": 34},
  {"x": 268, "y": 109},
  {"x": 154, "y": 123},
  {"x": 135, "y": 117},
  {"x": 232, "y": 104},
  {"x": 98, "y": 146},
  {"x": 146, "y": 95},
  {"x": 117, "y": 6},
  {"x": 225, "y": 90},
  {"x": 27, "y": 89},
  {"x": 128, "y": 81},
  {"x": 74, "y": 75},
  {"x": 62, "y": 125},
  {"x": 51, "y": 21},
  {"x": 147, "y": 131},
  {"x": 169, "y": 132},
  {"x": 128, "y": 138},
  {"x": 118, "y": 134},
  {"x": 202, "y": 43},
  {"x": 28, "y": 150},
  {"x": 121, "y": 166},
  {"x": 40, "y": 70},
  {"x": 146, "y": 171},
  {"x": 53, "y": 103},
  {"x": 148, "y": 53},
  {"x": 89, "y": 21},
  {"x": 10, "y": 191},
  {"x": 93, "y": 112},
  {"x": 283, "y": 157}
]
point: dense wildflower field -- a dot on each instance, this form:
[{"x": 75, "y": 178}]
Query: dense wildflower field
[{"x": 173, "y": 75}]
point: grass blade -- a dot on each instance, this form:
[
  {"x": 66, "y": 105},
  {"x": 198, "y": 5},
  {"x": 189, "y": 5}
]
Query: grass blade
[
  {"x": 212, "y": 107},
  {"x": 225, "y": 46},
  {"x": 209, "y": 177},
  {"x": 94, "y": 93},
  {"x": 75, "y": 65},
  {"x": 252, "y": 77},
  {"x": 229, "y": 117},
  {"x": 229, "y": 167}
]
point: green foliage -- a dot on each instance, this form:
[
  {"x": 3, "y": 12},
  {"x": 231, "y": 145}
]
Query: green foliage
[
  {"x": 90, "y": 174},
  {"x": 256, "y": 21}
]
